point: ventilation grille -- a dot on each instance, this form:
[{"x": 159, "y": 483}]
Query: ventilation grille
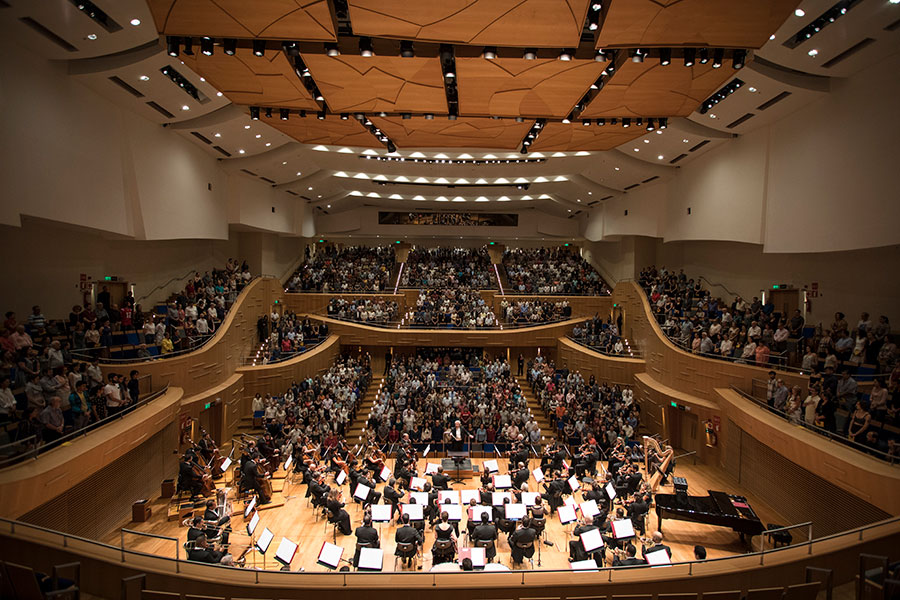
[
  {"x": 848, "y": 53},
  {"x": 740, "y": 120},
  {"x": 821, "y": 22},
  {"x": 110, "y": 491},
  {"x": 292, "y": 193},
  {"x": 655, "y": 177},
  {"x": 770, "y": 103},
  {"x": 134, "y": 92},
  {"x": 606, "y": 197},
  {"x": 222, "y": 150},
  {"x": 160, "y": 110},
  {"x": 632, "y": 186},
  {"x": 893, "y": 26},
  {"x": 201, "y": 137},
  {"x": 677, "y": 158},
  {"x": 698, "y": 146},
  {"x": 48, "y": 34},
  {"x": 267, "y": 179},
  {"x": 248, "y": 172}
]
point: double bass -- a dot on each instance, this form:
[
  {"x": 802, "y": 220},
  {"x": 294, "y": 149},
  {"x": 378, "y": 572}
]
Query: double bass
[{"x": 207, "y": 487}]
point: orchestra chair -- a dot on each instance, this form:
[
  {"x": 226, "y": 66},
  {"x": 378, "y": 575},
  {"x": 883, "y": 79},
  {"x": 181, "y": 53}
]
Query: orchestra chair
[
  {"x": 680, "y": 596},
  {"x": 539, "y": 526},
  {"x": 802, "y": 591},
  {"x": 530, "y": 559},
  {"x": 442, "y": 552},
  {"x": 359, "y": 546},
  {"x": 406, "y": 550},
  {"x": 773, "y": 593},
  {"x": 22, "y": 582},
  {"x": 486, "y": 544},
  {"x": 331, "y": 520},
  {"x": 727, "y": 595}
]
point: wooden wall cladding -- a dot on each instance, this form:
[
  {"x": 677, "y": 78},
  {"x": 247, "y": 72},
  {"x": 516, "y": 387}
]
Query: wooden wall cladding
[
  {"x": 464, "y": 132},
  {"x": 90, "y": 508},
  {"x": 272, "y": 19},
  {"x": 245, "y": 78},
  {"x": 332, "y": 131},
  {"x": 379, "y": 83},
  {"x": 649, "y": 89},
  {"x": 216, "y": 361},
  {"x": 565, "y": 137},
  {"x": 275, "y": 379},
  {"x": 714, "y": 23},
  {"x": 26, "y": 485},
  {"x": 800, "y": 465},
  {"x": 542, "y": 23},
  {"x": 575, "y": 357},
  {"x": 230, "y": 395},
  {"x": 516, "y": 87}
]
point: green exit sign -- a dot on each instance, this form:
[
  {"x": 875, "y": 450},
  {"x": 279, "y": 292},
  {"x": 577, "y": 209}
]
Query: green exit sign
[
  {"x": 208, "y": 404},
  {"x": 674, "y": 404},
  {"x": 397, "y": 242},
  {"x": 107, "y": 278}
]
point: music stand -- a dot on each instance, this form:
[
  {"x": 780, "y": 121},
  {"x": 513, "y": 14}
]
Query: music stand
[
  {"x": 415, "y": 511},
  {"x": 286, "y": 551},
  {"x": 584, "y": 565},
  {"x": 592, "y": 540},
  {"x": 491, "y": 466},
  {"x": 458, "y": 457},
  {"x": 466, "y": 496},
  {"x": 444, "y": 494},
  {"x": 421, "y": 498},
  {"x": 498, "y": 497},
  {"x": 454, "y": 512},
  {"x": 370, "y": 559},
  {"x": 589, "y": 509},
  {"x": 658, "y": 558},
  {"x": 529, "y": 498},
  {"x": 502, "y": 482},
  {"x": 538, "y": 475},
  {"x": 431, "y": 468},
  {"x": 515, "y": 512},
  {"x": 330, "y": 555},
  {"x": 566, "y": 514},
  {"x": 478, "y": 556},
  {"x": 623, "y": 529},
  {"x": 417, "y": 483},
  {"x": 340, "y": 478},
  {"x": 262, "y": 544},
  {"x": 381, "y": 513},
  {"x": 479, "y": 510},
  {"x": 574, "y": 484},
  {"x": 250, "y": 506}
]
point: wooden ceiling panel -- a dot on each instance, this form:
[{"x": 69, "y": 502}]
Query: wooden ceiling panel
[
  {"x": 714, "y": 23},
  {"x": 649, "y": 89},
  {"x": 269, "y": 80},
  {"x": 516, "y": 87},
  {"x": 534, "y": 23},
  {"x": 270, "y": 19},
  {"x": 332, "y": 131},
  {"x": 569, "y": 137},
  {"x": 441, "y": 132},
  {"x": 379, "y": 83}
]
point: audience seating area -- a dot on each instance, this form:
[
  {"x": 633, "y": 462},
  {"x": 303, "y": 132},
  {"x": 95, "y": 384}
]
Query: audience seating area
[
  {"x": 551, "y": 271},
  {"x": 344, "y": 269},
  {"x": 449, "y": 268},
  {"x": 603, "y": 336},
  {"x": 525, "y": 312}
]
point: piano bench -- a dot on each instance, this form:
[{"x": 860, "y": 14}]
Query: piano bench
[{"x": 779, "y": 538}]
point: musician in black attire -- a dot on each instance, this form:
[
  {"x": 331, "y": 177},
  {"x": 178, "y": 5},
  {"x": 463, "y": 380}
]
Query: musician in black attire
[
  {"x": 408, "y": 534},
  {"x": 524, "y": 536},
  {"x": 520, "y": 476},
  {"x": 400, "y": 459},
  {"x": 206, "y": 447},
  {"x": 556, "y": 486},
  {"x": 431, "y": 511},
  {"x": 576, "y": 546},
  {"x": 188, "y": 480},
  {"x": 629, "y": 559},
  {"x": 250, "y": 479},
  {"x": 637, "y": 510},
  {"x": 365, "y": 534},
  {"x": 373, "y": 497},
  {"x": 391, "y": 495},
  {"x": 196, "y": 529},
  {"x": 318, "y": 490},
  {"x": 444, "y": 532},
  {"x": 440, "y": 480},
  {"x": 201, "y": 551},
  {"x": 518, "y": 458},
  {"x": 587, "y": 462},
  {"x": 338, "y": 514},
  {"x": 404, "y": 474},
  {"x": 486, "y": 532}
]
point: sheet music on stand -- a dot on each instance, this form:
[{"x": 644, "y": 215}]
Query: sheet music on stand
[
  {"x": 570, "y": 501},
  {"x": 431, "y": 468},
  {"x": 330, "y": 555},
  {"x": 467, "y": 495},
  {"x": 265, "y": 538},
  {"x": 413, "y": 510},
  {"x": 515, "y": 512},
  {"x": 491, "y": 466},
  {"x": 611, "y": 491},
  {"x": 286, "y": 551},
  {"x": 340, "y": 478},
  {"x": 362, "y": 492},
  {"x": 584, "y": 565},
  {"x": 250, "y": 506},
  {"x": 477, "y": 511},
  {"x": 385, "y": 474},
  {"x": 427, "y": 450},
  {"x": 454, "y": 511},
  {"x": 444, "y": 494},
  {"x": 623, "y": 529},
  {"x": 529, "y": 498},
  {"x": 478, "y": 556},
  {"x": 498, "y": 497},
  {"x": 538, "y": 475},
  {"x": 381, "y": 513},
  {"x": 225, "y": 464},
  {"x": 658, "y": 557},
  {"x": 288, "y": 462},
  {"x": 566, "y": 514},
  {"x": 371, "y": 559},
  {"x": 573, "y": 482},
  {"x": 254, "y": 521},
  {"x": 417, "y": 483},
  {"x": 589, "y": 509},
  {"x": 592, "y": 540},
  {"x": 421, "y": 497},
  {"x": 502, "y": 482}
]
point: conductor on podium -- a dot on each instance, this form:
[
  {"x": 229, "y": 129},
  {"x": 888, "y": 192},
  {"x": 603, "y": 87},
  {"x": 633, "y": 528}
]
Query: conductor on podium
[{"x": 459, "y": 435}]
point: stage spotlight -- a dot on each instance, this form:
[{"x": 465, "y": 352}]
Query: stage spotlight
[
  {"x": 638, "y": 56},
  {"x": 406, "y": 49},
  {"x": 320, "y": 115},
  {"x": 229, "y": 46},
  {"x": 738, "y": 59},
  {"x": 188, "y": 46},
  {"x": 365, "y": 47},
  {"x": 718, "y": 57},
  {"x": 530, "y": 54},
  {"x": 689, "y": 56},
  {"x": 206, "y": 46},
  {"x": 292, "y": 48},
  {"x": 391, "y": 148},
  {"x": 704, "y": 56},
  {"x": 601, "y": 122},
  {"x": 490, "y": 52},
  {"x": 650, "y": 126},
  {"x": 345, "y": 116},
  {"x": 268, "y": 112},
  {"x": 172, "y": 45},
  {"x": 254, "y": 113},
  {"x": 284, "y": 113},
  {"x": 663, "y": 122},
  {"x": 331, "y": 49},
  {"x": 566, "y": 54},
  {"x": 665, "y": 56},
  {"x": 259, "y": 47},
  {"x": 626, "y": 122}
]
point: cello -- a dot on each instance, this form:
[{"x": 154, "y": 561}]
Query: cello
[{"x": 207, "y": 487}]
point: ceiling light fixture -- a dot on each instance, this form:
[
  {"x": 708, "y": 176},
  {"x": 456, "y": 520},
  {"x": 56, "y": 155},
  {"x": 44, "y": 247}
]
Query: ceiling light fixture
[
  {"x": 800, "y": 12},
  {"x": 489, "y": 53},
  {"x": 229, "y": 46},
  {"x": 638, "y": 56},
  {"x": 704, "y": 55},
  {"x": 738, "y": 58},
  {"x": 813, "y": 52},
  {"x": 530, "y": 54},
  {"x": 144, "y": 78},
  {"x": 663, "y": 122},
  {"x": 185, "y": 107},
  {"x": 135, "y": 22},
  {"x": 565, "y": 54},
  {"x": 689, "y": 55},
  {"x": 331, "y": 49},
  {"x": 600, "y": 56},
  {"x": 665, "y": 57},
  {"x": 172, "y": 45},
  {"x": 254, "y": 115},
  {"x": 365, "y": 47},
  {"x": 718, "y": 57},
  {"x": 406, "y": 49},
  {"x": 320, "y": 115},
  {"x": 650, "y": 125},
  {"x": 259, "y": 47},
  {"x": 284, "y": 113},
  {"x": 626, "y": 122},
  {"x": 206, "y": 46}
]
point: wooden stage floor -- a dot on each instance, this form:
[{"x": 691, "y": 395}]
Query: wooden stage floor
[{"x": 296, "y": 521}]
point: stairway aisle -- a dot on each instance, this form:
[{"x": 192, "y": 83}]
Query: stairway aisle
[
  {"x": 542, "y": 418},
  {"x": 362, "y": 413}
]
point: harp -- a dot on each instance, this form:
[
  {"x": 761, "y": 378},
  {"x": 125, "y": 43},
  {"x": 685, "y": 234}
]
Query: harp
[{"x": 656, "y": 460}]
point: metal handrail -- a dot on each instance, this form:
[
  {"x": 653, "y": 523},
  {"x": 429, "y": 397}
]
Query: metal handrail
[
  {"x": 892, "y": 460},
  {"x": 166, "y": 284},
  {"x": 252, "y": 360},
  {"x": 123, "y": 531},
  {"x": 769, "y": 532},
  {"x": 407, "y": 325},
  {"x": 255, "y": 574},
  {"x": 597, "y": 349}
]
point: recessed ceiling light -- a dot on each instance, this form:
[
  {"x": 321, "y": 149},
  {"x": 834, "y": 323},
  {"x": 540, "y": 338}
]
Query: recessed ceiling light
[
  {"x": 712, "y": 116},
  {"x": 660, "y": 157},
  {"x": 310, "y": 189},
  {"x": 659, "y": 132},
  {"x": 135, "y": 22},
  {"x": 617, "y": 169},
  {"x": 92, "y": 36},
  {"x": 800, "y": 12},
  {"x": 203, "y": 79},
  {"x": 144, "y": 78},
  {"x": 217, "y": 135},
  {"x": 299, "y": 173},
  {"x": 772, "y": 37},
  {"x": 579, "y": 199},
  {"x": 219, "y": 94},
  {"x": 637, "y": 149},
  {"x": 185, "y": 107},
  {"x": 241, "y": 151},
  {"x": 320, "y": 195},
  {"x": 751, "y": 89},
  {"x": 284, "y": 162},
  {"x": 686, "y": 141},
  {"x": 590, "y": 193},
  {"x": 258, "y": 135},
  {"x": 268, "y": 144},
  {"x": 646, "y": 141},
  {"x": 246, "y": 127},
  {"x": 813, "y": 52}
]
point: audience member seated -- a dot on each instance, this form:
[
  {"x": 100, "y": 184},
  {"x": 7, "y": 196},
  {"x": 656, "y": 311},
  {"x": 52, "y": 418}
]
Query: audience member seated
[
  {"x": 551, "y": 271},
  {"x": 600, "y": 335},
  {"x": 449, "y": 268},
  {"x": 290, "y": 335},
  {"x": 462, "y": 307},
  {"x": 534, "y": 311},
  {"x": 350, "y": 269},
  {"x": 364, "y": 310}
]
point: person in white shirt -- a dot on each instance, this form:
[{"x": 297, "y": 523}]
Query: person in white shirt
[
  {"x": 113, "y": 395},
  {"x": 202, "y": 325},
  {"x": 7, "y": 400},
  {"x": 810, "y": 405}
]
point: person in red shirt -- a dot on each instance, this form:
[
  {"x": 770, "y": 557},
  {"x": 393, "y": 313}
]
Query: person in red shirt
[{"x": 125, "y": 312}]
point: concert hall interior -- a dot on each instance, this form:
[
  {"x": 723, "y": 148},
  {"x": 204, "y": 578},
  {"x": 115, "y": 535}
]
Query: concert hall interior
[{"x": 254, "y": 347}]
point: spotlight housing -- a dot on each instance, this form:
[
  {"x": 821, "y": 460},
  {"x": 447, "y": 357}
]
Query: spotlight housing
[
  {"x": 626, "y": 122},
  {"x": 406, "y": 49},
  {"x": 704, "y": 56},
  {"x": 268, "y": 112},
  {"x": 206, "y": 46},
  {"x": 665, "y": 56},
  {"x": 690, "y": 54},
  {"x": 188, "y": 46},
  {"x": 365, "y": 47},
  {"x": 259, "y": 47},
  {"x": 254, "y": 113},
  {"x": 172, "y": 45},
  {"x": 718, "y": 57},
  {"x": 530, "y": 54},
  {"x": 320, "y": 115},
  {"x": 331, "y": 49},
  {"x": 638, "y": 56},
  {"x": 738, "y": 59},
  {"x": 650, "y": 126},
  {"x": 284, "y": 113},
  {"x": 489, "y": 53},
  {"x": 663, "y": 122},
  {"x": 229, "y": 46},
  {"x": 565, "y": 54},
  {"x": 600, "y": 56}
]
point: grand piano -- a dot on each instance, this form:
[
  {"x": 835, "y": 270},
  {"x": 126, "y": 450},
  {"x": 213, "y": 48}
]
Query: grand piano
[{"x": 719, "y": 508}]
